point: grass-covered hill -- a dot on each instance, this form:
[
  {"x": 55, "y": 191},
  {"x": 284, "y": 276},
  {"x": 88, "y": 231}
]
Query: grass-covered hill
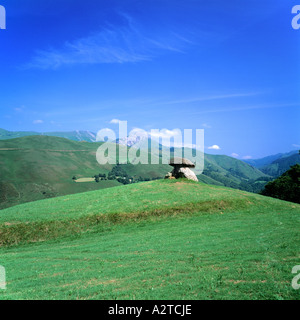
[
  {"x": 39, "y": 167},
  {"x": 231, "y": 172},
  {"x": 286, "y": 187},
  {"x": 165, "y": 239}
]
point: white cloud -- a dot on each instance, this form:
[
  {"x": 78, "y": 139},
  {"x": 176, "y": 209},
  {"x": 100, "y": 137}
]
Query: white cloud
[
  {"x": 214, "y": 147},
  {"x": 38, "y": 121},
  {"x": 165, "y": 133},
  {"x": 115, "y": 121},
  {"x": 167, "y": 136},
  {"x": 247, "y": 157},
  {"x": 114, "y": 44},
  {"x": 296, "y": 145},
  {"x": 234, "y": 155},
  {"x": 206, "y": 126},
  {"x": 156, "y": 134}
]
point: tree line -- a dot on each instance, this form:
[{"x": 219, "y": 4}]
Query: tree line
[{"x": 118, "y": 173}]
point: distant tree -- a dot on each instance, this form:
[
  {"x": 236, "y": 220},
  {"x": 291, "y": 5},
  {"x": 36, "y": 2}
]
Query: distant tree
[
  {"x": 286, "y": 187},
  {"x": 118, "y": 171},
  {"x": 97, "y": 179},
  {"x": 126, "y": 181},
  {"x": 74, "y": 178}
]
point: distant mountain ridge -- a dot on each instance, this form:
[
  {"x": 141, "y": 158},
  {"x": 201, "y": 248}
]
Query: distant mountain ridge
[
  {"x": 133, "y": 139},
  {"x": 72, "y": 135},
  {"x": 261, "y": 162},
  {"x": 281, "y": 165},
  {"x": 276, "y": 165}
]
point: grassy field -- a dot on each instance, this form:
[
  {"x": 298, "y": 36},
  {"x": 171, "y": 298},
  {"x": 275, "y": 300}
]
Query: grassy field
[
  {"x": 155, "y": 240},
  {"x": 85, "y": 180}
]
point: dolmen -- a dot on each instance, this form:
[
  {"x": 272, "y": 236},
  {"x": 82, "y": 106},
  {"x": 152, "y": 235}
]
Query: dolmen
[{"x": 181, "y": 169}]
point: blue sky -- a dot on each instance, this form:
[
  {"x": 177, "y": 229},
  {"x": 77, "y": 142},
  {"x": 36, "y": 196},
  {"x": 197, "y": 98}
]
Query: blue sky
[{"x": 229, "y": 67}]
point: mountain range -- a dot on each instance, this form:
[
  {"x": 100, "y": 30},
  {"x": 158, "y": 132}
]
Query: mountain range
[
  {"x": 72, "y": 135},
  {"x": 275, "y": 165}
]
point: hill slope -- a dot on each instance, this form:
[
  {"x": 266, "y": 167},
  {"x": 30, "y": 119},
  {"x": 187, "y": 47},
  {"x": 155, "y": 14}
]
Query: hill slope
[
  {"x": 38, "y": 167},
  {"x": 156, "y": 240},
  {"x": 286, "y": 187}
]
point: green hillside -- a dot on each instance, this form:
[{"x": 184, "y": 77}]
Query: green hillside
[
  {"x": 286, "y": 187},
  {"x": 166, "y": 239},
  {"x": 39, "y": 167},
  {"x": 233, "y": 168},
  {"x": 230, "y": 172}
]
